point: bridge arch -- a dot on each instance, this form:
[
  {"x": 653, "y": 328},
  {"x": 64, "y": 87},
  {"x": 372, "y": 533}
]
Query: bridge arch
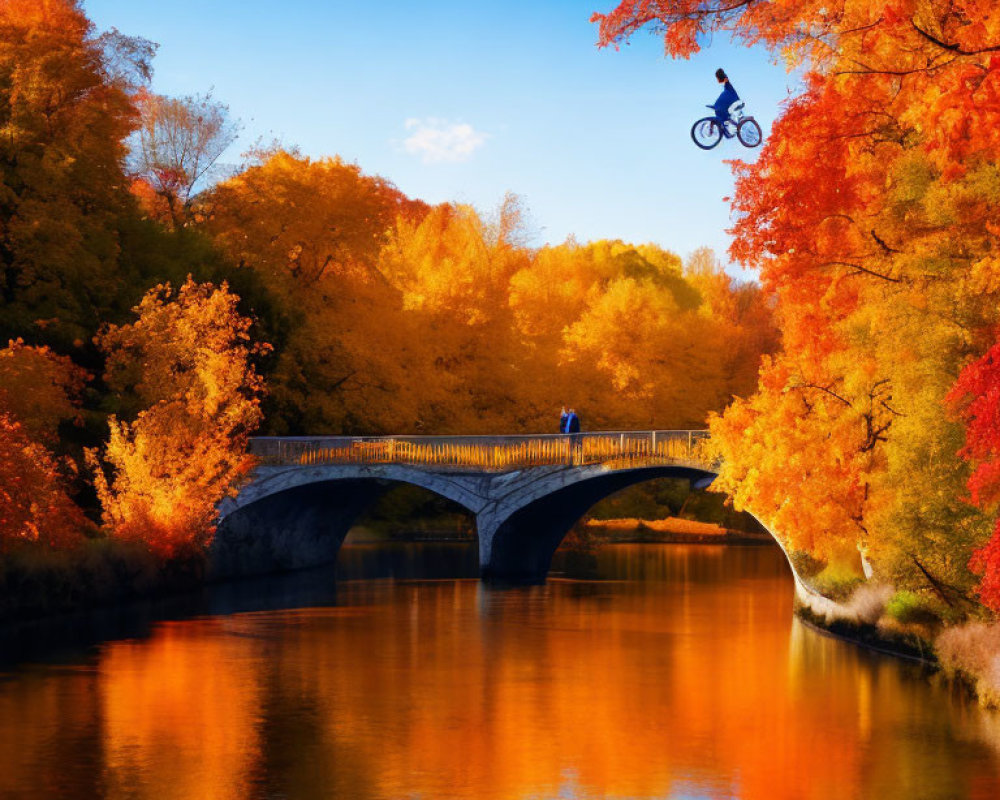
[
  {"x": 518, "y": 545},
  {"x": 291, "y": 518}
]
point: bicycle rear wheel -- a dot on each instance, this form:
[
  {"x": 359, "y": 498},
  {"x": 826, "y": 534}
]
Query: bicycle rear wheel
[
  {"x": 749, "y": 133},
  {"x": 706, "y": 133}
]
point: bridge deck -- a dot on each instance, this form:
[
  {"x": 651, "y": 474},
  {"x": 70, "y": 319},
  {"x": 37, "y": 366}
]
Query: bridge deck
[{"x": 614, "y": 449}]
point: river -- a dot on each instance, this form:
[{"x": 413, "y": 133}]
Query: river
[{"x": 637, "y": 671}]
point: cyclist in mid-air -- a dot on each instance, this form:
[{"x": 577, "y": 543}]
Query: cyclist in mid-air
[
  {"x": 727, "y": 119},
  {"x": 726, "y": 99}
]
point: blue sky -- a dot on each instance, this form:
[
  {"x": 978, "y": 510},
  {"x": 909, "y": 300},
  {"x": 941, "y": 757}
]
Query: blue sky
[{"x": 460, "y": 101}]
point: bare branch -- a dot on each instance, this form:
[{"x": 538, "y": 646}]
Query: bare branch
[
  {"x": 882, "y": 244},
  {"x": 950, "y": 46},
  {"x": 864, "y": 270}
]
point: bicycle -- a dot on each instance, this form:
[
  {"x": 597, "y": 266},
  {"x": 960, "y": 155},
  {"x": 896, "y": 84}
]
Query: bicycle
[{"x": 707, "y": 132}]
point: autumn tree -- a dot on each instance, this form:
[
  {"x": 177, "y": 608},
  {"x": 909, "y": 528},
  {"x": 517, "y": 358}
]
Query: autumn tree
[
  {"x": 39, "y": 389},
  {"x": 312, "y": 230},
  {"x": 35, "y": 507},
  {"x": 178, "y": 142},
  {"x": 189, "y": 357},
  {"x": 453, "y": 269},
  {"x": 660, "y": 359},
  {"x": 389, "y": 315},
  {"x": 871, "y": 214},
  {"x": 66, "y": 110},
  {"x": 302, "y": 219},
  {"x": 625, "y": 331},
  {"x": 745, "y": 314}
]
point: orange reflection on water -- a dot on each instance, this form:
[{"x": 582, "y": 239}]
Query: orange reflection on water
[
  {"x": 689, "y": 680},
  {"x": 180, "y": 713}
]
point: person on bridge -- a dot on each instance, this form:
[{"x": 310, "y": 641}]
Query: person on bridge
[
  {"x": 573, "y": 429},
  {"x": 572, "y": 422},
  {"x": 726, "y": 99},
  {"x": 562, "y": 420}
]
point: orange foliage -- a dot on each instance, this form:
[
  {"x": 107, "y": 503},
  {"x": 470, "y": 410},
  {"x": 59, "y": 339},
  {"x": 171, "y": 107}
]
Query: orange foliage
[
  {"x": 873, "y": 216},
  {"x": 645, "y": 340},
  {"x": 395, "y": 317},
  {"x": 311, "y": 231},
  {"x": 34, "y": 506},
  {"x": 295, "y": 218},
  {"x": 39, "y": 389},
  {"x": 67, "y": 111},
  {"x": 188, "y": 356},
  {"x": 453, "y": 271},
  {"x": 451, "y": 263},
  {"x": 799, "y": 465},
  {"x": 151, "y": 203}
]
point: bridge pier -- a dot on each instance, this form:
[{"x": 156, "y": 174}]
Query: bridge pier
[
  {"x": 516, "y": 544},
  {"x": 516, "y": 553}
]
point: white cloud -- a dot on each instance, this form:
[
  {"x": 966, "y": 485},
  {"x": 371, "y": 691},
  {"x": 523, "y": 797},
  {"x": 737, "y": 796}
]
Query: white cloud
[{"x": 440, "y": 140}]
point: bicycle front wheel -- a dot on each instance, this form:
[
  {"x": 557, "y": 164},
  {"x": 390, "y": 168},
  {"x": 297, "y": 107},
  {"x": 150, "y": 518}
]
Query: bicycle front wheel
[
  {"x": 748, "y": 132},
  {"x": 706, "y": 133}
]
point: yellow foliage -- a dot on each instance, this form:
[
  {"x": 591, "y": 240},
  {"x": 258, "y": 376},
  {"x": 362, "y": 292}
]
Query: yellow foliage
[{"x": 189, "y": 355}]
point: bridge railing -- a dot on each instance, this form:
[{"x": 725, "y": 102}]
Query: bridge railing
[{"x": 616, "y": 449}]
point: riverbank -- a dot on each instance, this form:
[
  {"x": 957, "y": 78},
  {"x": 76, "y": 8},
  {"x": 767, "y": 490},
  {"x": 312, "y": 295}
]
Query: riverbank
[
  {"x": 39, "y": 583},
  {"x": 626, "y": 530},
  {"x": 671, "y": 530},
  {"x": 36, "y": 583},
  {"x": 966, "y": 655},
  {"x": 902, "y": 644}
]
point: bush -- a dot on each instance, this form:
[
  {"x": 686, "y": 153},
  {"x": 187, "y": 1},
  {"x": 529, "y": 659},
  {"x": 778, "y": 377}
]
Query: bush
[
  {"x": 868, "y": 602},
  {"x": 836, "y": 581},
  {"x": 906, "y": 606},
  {"x": 972, "y": 652}
]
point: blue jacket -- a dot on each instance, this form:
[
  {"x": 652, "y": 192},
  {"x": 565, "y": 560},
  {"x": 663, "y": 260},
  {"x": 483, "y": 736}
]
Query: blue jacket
[
  {"x": 572, "y": 424},
  {"x": 726, "y": 99}
]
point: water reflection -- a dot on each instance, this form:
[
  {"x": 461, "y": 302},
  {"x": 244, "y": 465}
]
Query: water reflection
[{"x": 680, "y": 673}]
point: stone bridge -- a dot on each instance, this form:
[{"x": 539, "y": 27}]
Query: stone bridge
[{"x": 525, "y": 492}]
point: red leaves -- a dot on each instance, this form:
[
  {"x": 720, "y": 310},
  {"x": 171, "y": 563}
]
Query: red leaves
[
  {"x": 986, "y": 562},
  {"x": 682, "y": 23},
  {"x": 976, "y": 398}
]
